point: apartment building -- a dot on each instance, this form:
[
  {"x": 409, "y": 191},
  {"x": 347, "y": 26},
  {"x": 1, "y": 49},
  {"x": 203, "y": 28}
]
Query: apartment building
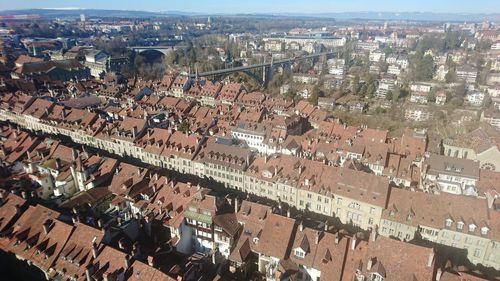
[
  {"x": 223, "y": 162},
  {"x": 451, "y": 175},
  {"x": 478, "y": 145},
  {"x": 461, "y": 222}
]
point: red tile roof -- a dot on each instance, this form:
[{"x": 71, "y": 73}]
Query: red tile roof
[{"x": 276, "y": 243}]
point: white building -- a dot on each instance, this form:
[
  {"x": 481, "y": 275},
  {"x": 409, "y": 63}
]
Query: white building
[
  {"x": 475, "y": 98},
  {"x": 417, "y": 113},
  {"x": 451, "y": 175},
  {"x": 421, "y": 87}
]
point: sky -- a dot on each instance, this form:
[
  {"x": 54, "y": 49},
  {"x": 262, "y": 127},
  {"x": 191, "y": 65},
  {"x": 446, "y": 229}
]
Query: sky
[{"x": 267, "y": 6}]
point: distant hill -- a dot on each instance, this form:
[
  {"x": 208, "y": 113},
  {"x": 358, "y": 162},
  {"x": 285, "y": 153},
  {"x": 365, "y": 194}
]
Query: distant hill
[
  {"x": 412, "y": 16},
  {"x": 69, "y": 13},
  {"x": 417, "y": 16}
]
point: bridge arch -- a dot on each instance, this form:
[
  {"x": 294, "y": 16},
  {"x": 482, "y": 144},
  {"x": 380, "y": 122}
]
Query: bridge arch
[{"x": 164, "y": 50}]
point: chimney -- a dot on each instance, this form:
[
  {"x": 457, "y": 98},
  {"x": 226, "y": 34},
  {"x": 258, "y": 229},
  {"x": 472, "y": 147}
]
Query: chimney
[
  {"x": 438, "y": 274},
  {"x": 326, "y": 225},
  {"x": 135, "y": 249},
  {"x": 369, "y": 264},
  {"x": 490, "y": 199},
  {"x": 353, "y": 242},
  {"x": 134, "y": 132},
  {"x": 300, "y": 169},
  {"x": 99, "y": 223},
  {"x": 373, "y": 235},
  {"x": 18, "y": 210},
  {"x": 151, "y": 261},
  {"x": 46, "y": 226},
  {"x": 317, "y": 237},
  {"x": 94, "y": 250},
  {"x": 121, "y": 244},
  {"x": 430, "y": 261},
  {"x": 24, "y": 195},
  {"x": 73, "y": 154},
  {"x": 337, "y": 238},
  {"x": 236, "y": 207},
  {"x": 127, "y": 262},
  {"x": 89, "y": 270},
  {"x": 301, "y": 227},
  {"x": 265, "y": 158},
  {"x": 288, "y": 213}
]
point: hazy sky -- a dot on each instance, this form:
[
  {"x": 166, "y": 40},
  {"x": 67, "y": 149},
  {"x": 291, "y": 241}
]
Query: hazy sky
[{"x": 266, "y": 6}]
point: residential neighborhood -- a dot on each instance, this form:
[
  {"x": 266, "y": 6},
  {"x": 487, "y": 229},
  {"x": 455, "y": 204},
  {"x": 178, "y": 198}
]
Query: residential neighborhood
[{"x": 149, "y": 146}]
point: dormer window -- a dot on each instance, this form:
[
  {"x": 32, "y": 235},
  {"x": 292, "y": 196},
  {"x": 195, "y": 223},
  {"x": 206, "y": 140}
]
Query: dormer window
[
  {"x": 299, "y": 253},
  {"x": 448, "y": 223},
  {"x": 376, "y": 277},
  {"x": 472, "y": 227},
  {"x": 460, "y": 225},
  {"x": 356, "y": 206},
  {"x": 484, "y": 231}
]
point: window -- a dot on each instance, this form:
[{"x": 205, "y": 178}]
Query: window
[
  {"x": 372, "y": 210},
  {"x": 472, "y": 228},
  {"x": 477, "y": 253},
  {"x": 354, "y": 205},
  {"x": 376, "y": 277},
  {"x": 299, "y": 254},
  {"x": 370, "y": 221},
  {"x": 448, "y": 223},
  {"x": 460, "y": 225},
  {"x": 339, "y": 201},
  {"x": 484, "y": 231}
]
